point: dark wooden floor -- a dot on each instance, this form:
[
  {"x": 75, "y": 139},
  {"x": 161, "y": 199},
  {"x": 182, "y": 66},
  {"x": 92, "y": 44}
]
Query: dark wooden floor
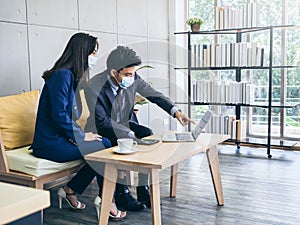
[{"x": 257, "y": 190}]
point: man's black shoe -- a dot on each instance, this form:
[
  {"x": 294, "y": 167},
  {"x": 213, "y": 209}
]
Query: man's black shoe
[
  {"x": 125, "y": 201},
  {"x": 143, "y": 195}
]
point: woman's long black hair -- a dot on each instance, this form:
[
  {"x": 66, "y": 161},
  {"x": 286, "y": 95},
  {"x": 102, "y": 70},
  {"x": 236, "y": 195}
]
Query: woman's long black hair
[{"x": 75, "y": 56}]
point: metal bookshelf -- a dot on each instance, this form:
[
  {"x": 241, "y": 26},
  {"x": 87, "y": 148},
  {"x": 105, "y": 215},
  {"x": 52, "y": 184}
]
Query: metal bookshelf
[{"x": 267, "y": 142}]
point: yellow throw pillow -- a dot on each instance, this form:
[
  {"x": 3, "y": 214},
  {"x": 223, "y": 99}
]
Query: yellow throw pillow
[{"x": 17, "y": 118}]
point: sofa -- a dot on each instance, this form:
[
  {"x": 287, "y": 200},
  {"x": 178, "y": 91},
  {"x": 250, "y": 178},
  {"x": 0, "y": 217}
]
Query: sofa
[{"x": 17, "y": 163}]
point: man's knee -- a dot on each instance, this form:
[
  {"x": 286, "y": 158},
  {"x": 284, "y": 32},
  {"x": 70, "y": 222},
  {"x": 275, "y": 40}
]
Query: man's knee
[{"x": 148, "y": 132}]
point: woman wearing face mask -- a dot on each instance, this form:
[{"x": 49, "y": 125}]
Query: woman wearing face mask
[{"x": 57, "y": 135}]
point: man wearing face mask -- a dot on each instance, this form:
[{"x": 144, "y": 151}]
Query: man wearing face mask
[{"x": 110, "y": 97}]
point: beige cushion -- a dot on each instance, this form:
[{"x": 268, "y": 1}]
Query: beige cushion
[
  {"x": 22, "y": 160},
  {"x": 17, "y": 118}
]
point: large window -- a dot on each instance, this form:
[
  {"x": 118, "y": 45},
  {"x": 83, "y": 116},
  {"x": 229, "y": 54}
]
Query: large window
[{"x": 286, "y": 51}]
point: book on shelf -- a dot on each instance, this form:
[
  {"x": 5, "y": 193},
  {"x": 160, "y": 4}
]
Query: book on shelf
[
  {"x": 198, "y": 93},
  {"x": 241, "y": 128},
  {"x": 244, "y": 55},
  {"x": 213, "y": 55},
  {"x": 236, "y": 54},
  {"x": 244, "y": 16},
  {"x": 232, "y": 54},
  {"x": 249, "y": 56},
  {"x": 243, "y": 91},
  {"x": 218, "y": 55},
  {"x": 253, "y": 50},
  {"x": 222, "y": 92},
  {"x": 193, "y": 55},
  {"x": 217, "y": 18},
  {"x": 228, "y": 17},
  {"x": 260, "y": 56},
  {"x": 223, "y": 54},
  {"x": 237, "y": 93},
  {"x": 196, "y": 58},
  {"x": 200, "y": 55},
  {"x": 227, "y": 54},
  {"x": 209, "y": 90},
  {"x": 233, "y": 129},
  {"x": 254, "y": 14},
  {"x": 249, "y": 15},
  {"x": 227, "y": 92},
  {"x": 204, "y": 55},
  {"x": 249, "y": 93},
  {"x": 194, "y": 91},
  {"x": 221, "y": 18},
  {"x": 220, "y": 124},
  {"x": 208, "y": 52}
]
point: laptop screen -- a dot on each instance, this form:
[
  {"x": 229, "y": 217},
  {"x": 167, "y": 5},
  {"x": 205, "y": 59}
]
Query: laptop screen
[{"x": 202, "y": 123}]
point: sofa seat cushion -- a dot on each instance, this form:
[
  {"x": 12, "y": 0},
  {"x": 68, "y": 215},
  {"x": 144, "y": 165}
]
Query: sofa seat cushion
[{"x": 22, "y": 160}]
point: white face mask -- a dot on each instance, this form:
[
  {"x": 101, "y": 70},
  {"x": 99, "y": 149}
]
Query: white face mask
[
  {"x": 92, "y": 60},
  {"x": 126, "y": 82}
]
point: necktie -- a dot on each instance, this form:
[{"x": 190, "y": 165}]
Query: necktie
[
  {"x": 119, "y": 107},
  {"x": 118, "y": 91}
]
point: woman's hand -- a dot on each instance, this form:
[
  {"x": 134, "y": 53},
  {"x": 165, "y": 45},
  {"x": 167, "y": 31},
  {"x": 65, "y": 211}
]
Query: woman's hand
[{"x": 92, "y": 137}]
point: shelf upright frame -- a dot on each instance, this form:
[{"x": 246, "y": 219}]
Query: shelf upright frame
[
  {"x": 238, "y": 78},
  {"x": 270, "y": 94},
  {"x": 189, "y": 78}
]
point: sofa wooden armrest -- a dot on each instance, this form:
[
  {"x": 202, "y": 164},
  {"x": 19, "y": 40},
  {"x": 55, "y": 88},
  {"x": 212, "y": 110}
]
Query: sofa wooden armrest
[{"x": 19, "y": 111}]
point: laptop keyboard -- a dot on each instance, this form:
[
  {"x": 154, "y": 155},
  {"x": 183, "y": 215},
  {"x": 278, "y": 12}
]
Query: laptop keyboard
[{"x": 183, "y": 136}]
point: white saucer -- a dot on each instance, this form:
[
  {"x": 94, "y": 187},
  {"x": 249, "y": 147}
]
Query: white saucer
[{"x": 124, "y": 152}]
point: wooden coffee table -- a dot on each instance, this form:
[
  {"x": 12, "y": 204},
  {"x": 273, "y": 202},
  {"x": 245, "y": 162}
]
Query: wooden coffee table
[
  {"x": 152, "y": 159},
  {"x": 22, "y": 205}
]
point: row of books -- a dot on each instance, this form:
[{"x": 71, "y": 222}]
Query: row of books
[
  {"x": 227, "y": 55},
  {"x": 212, "y": 91},
  {"x": 228, "y": 17},
  {"x": 224, "y": 124}
]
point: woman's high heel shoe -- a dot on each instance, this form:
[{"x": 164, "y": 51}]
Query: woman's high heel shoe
[
  {"x": 97, "y": 203},
  {"x": 62, "y": 194},
  {"x": 119, "y": 216}
]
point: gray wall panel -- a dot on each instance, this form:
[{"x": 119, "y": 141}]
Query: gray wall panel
[
  {"x": 98, "y": 15},
  {"x": 60, "y": 13},
  {"x": 158, "y": 18},
  {"x": 132, "y": 17},
  {"x": 13, "y": 11},
  {"x": 159, "y": 59},
  {"x": 46, "y": 45},
  {"x": 14, "y": 64}
]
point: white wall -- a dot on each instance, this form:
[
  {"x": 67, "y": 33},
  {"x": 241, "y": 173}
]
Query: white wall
[
  {"x": 34, "y": 34},
  {"x": 178, "y": 13}
]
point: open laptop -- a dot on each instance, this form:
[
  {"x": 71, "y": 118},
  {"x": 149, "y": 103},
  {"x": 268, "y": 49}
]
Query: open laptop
[{"x": 189, "y": 136}]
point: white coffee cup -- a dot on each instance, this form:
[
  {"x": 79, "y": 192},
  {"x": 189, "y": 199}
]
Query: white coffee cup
[{"x": 126, "y": 144}]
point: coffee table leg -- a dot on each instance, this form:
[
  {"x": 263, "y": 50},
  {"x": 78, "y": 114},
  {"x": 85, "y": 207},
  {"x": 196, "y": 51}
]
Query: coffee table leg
[
  {"x": 214, "y": 166},
  {"x": 173, "y": 181},
  {"x": 109, "y": 183},
  {"x": 155, "y": 197}
]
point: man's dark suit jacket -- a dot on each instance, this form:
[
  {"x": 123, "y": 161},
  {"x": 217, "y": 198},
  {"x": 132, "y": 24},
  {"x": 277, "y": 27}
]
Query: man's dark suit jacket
[{"x": 103, "y": 106}]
